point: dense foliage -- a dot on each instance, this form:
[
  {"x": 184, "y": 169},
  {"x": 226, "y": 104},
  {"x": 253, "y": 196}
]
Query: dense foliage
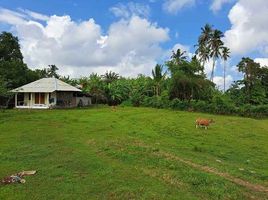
[{"x": 180, "y": 83}]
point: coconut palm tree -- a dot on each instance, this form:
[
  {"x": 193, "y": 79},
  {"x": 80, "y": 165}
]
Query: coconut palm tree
[
  {"x": 158, "y": 77},
  {"x": 215, "y": 45},
  {"x": 225, "y": 56},
  {"x": 203, "y": 50},
  {"x": 203, "y": 54},
  {"x": 206, "y": 33},
  {"x": 110, "y": 76},
  {"x": 179, "y": 56}
]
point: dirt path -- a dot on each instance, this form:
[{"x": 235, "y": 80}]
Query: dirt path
[
  {"x": 251, "y": 186},
  {"x": 172, "y": 157}
]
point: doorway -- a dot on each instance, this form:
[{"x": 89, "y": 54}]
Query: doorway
[{"x": 39, "y": 98}]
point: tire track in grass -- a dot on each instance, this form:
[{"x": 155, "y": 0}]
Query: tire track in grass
[
  {"x": 238, "y": 181},
  {"x": 207, "y": 169}
]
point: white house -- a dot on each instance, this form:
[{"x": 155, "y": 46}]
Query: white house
[{"x": 49, "y": 93}]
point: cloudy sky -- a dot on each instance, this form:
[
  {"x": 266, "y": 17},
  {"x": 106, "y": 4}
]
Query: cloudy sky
[{"x": 130, "y": 37}]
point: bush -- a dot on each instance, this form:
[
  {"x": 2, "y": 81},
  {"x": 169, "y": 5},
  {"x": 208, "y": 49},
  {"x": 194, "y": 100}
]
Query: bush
[
  {"x": 201, "y": 106},
  {"x": 253, "y": 111},
  {"x": 179, "y": 105},
  {"x": 126, "y": 103},
  {"x": 222, "y": 104}
]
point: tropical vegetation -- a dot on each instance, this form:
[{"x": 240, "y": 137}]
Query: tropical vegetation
[{"x": 178, "y": 83}]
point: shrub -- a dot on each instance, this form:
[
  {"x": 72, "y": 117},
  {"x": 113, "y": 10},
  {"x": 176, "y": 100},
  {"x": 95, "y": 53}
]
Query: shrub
[{"x": 179, "y": 105}]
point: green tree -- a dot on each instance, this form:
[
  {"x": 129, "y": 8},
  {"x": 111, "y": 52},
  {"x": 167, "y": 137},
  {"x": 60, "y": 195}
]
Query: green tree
[
  {"x": 52, "y": 71},
  {"x": 188, "y": 80},
  {"x": 225, "y": 56},
  {"x": 110, "y": 76},
  {"x": 9, "y": 48},
  {"x": 251, "y": 89},
  {"x": 177, "y": 58},
  {"x": 215, "y": 45},
  {"x": 95, "y": 86},
  {"x": 203, "y": 50},
  {"x": 5, "y": 94},
  {"x": 158, "y": 77}
]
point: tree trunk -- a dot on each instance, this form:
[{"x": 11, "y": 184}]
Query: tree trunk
[
  {"x": 212, "y": 72},
  {"x": 224, "y": 71}
]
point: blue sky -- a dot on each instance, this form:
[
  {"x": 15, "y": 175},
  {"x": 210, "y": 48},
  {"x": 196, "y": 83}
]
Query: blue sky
[{"x": 130, "y": 37}]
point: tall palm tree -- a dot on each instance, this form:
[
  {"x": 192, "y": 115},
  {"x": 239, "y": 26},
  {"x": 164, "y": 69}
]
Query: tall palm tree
[
  {"x": 206, "y": 33},
  {"x": 203, "y": 54},
  {"x": 215, "y": 46},
  {"x": 158, "y": 77},
  {"x": 225, "y": 56},
  {"x": 203, "y": 50}
]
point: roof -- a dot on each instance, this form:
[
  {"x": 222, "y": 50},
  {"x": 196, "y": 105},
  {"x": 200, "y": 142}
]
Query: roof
[{"x": 46, "y": 85}]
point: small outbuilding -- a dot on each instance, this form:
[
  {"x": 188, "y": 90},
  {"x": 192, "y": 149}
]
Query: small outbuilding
[{"x": 49, "y": 93}]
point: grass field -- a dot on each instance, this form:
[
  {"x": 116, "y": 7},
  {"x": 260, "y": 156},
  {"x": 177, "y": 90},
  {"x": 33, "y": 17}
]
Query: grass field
[{"x": 132, "y": 153}]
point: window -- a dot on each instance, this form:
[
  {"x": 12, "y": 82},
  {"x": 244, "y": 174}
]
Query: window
[{"x": 30, "y": 96}]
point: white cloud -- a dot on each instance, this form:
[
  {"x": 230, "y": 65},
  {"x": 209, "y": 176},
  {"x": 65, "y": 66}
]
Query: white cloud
[
  {"x": 168, "y": 53},
  {"x": 263, "y": 61},
  {"x": 130, "y": 46},
  {"x": 173, "y": 6},
  {"x": 130, "y": 9},
  {"x": 11, "y": 17},
  {"x": 249, "y": 30},
  {"x": 208, "y": 67},
  {"x": 35, "y": 15},
  {"x": 217, "y": 4},
  {"x": 219, "y": 81}
]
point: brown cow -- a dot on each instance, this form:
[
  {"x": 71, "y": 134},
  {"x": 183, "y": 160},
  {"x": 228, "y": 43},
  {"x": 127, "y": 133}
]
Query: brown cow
[{"x": 203, "y": 122}]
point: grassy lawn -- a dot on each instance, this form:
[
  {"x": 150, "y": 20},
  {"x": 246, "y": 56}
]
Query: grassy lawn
[{"x": 132, "y": 153}]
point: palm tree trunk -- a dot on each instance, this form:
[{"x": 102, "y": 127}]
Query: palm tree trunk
[
  {"x": 224, "y": 71},
  {"x": 212, "y": 72}
]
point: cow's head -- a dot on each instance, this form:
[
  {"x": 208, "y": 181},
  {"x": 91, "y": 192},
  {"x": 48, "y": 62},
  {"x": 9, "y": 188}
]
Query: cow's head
[{"x": 211, "y": 121}]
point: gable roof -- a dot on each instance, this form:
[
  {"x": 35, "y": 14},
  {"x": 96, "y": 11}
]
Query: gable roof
[{"x": 46, "y": 85}]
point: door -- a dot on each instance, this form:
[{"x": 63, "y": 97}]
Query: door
[
  {"x": 42, "y": 98},
  {"x": 36, "y": 101},
  {"x": 39, "y": 98}
]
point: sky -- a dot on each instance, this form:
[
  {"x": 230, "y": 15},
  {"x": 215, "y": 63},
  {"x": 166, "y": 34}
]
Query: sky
[{"x": 131, "y": 37}]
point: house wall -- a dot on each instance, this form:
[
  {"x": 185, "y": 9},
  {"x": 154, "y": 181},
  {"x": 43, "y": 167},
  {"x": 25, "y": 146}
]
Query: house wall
[
  {"x": 55, "y": 99},
  {"x": 65, "y": 99},
  {"x": 86, "y": 101},
  {"x": 31, "y": 102}
]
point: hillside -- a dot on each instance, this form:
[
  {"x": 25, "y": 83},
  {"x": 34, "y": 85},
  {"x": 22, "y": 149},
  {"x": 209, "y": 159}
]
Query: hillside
[{"x": 132, "y": 153}]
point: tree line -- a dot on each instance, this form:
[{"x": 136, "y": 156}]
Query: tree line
[{"x": 178, "y": 83}]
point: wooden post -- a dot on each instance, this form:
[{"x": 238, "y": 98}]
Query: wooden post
[
  {"x": 31, "y": 103},
  {"x": 16, "y": 98},
  {"x": 47, "y": 99}
]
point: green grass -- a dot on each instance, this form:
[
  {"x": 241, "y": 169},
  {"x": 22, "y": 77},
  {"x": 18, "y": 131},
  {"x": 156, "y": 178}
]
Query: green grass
[{"x": 133, "y": 153}]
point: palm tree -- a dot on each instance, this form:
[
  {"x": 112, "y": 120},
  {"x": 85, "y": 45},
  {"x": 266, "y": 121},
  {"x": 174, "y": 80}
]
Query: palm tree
[
  {"x": 225, "y": 56},
  {"x": 215, "y": 46},
  {"x": 179, "y": 56},
  {"x": 203, "y": 54},
  {"x": 206, "y": 33},
  {"x": 203, "y": 50},
  {"x": 110, "y": 76},
  {"x": 158, "y": 77}
]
